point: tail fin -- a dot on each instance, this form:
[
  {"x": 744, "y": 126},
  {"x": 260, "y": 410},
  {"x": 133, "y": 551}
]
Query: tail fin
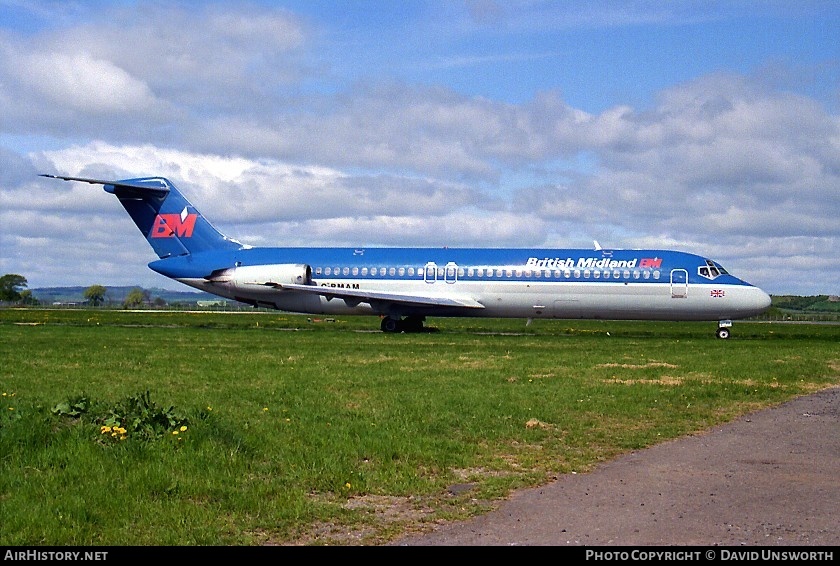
[{"x": 171, "y": 225}]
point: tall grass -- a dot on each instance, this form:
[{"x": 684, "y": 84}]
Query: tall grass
[{"x": 299, "y": 431}]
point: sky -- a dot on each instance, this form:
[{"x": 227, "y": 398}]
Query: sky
[{"x": 705, "y": 126}]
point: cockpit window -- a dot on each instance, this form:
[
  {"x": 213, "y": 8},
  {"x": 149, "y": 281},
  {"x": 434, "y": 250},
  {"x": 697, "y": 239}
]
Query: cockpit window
[{"x": 711, "y": 270}]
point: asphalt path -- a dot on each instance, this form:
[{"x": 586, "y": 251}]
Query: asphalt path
[{"x": 770, "y": 478}]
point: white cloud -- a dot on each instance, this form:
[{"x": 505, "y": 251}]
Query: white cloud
[{"x": 81, "y": 83}]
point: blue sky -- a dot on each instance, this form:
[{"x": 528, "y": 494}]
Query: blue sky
[{"x": 706, "y": 126}]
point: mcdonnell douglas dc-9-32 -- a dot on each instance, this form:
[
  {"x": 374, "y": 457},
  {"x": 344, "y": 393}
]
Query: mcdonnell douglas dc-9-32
[{"x": 403, "y": 286}]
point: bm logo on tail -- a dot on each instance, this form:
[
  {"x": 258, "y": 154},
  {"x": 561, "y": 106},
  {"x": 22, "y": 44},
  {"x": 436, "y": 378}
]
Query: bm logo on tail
[{"x": 172, "y": 225}]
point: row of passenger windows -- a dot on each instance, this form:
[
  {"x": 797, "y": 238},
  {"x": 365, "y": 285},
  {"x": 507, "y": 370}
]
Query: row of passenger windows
[{"x": 449, "y": 273}]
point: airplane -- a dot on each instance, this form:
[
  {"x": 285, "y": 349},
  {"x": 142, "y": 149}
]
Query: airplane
[{"x": 405, "y": 285}]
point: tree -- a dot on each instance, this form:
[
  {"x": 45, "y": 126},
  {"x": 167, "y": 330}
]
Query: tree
[
  {"x": 10, "y": 286},
  {"x": 95, "y": 295},
  {"x": 136, "y": 297},
  {"x": 27, "y": 298}
]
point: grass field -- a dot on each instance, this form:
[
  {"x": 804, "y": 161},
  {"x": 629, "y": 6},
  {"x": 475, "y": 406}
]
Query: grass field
[{"x": 167, "y": 428}]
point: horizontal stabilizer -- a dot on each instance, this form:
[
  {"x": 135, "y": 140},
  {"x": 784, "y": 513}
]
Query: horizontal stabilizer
[{"x": 146, "y": 185}]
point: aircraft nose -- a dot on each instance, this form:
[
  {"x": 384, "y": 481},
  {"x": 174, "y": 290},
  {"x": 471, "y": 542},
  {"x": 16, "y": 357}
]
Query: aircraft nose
[
  {"x": 759, "y": 301},
  {"x": 765, "y": 300}
]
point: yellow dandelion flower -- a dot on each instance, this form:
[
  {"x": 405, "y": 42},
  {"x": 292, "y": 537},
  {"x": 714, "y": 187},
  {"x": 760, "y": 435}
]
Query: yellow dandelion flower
[
  {"x": 209, "y": 408},
  {"x": 183, "y": 428},
  {"x": 175, "y": 432},
  {"x": 105, "y": 429},
  {"x": 347, "y": 485},
  {"x": 265, "y": 408}
]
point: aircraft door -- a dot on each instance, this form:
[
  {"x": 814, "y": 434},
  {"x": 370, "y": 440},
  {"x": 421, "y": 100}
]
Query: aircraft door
[
  {"x": 430, "y": 272},
  {"x": 679, "y": 283},
  {"x": 450, "y": 274}
]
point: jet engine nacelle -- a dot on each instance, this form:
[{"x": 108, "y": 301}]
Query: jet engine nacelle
[{"x": 249, "y": 276}]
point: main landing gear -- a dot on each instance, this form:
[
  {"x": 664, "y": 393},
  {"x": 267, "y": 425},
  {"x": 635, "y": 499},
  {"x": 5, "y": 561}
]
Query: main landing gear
[
  {"x": 407, "y": 324},
  {"x": 723, "y": 329}
]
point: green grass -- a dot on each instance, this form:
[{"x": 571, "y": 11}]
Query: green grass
[{"x": 303, "y": 431}]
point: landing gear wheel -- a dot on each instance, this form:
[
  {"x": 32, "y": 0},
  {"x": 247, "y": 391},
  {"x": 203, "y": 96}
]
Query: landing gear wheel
[
  {"x": 413, "y": 323},
  {"x": 391, "y": 324},
  {"x": 722, "y": 333}
]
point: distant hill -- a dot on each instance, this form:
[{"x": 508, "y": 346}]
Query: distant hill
[
  {"x": 815, "y": 303},
  {"x": 116, "y": 295},
  {"x": 820, "y": 308}
]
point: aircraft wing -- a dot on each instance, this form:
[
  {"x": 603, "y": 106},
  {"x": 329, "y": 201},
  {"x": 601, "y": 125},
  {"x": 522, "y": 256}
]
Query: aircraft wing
[{"x": 381, "y": 296}]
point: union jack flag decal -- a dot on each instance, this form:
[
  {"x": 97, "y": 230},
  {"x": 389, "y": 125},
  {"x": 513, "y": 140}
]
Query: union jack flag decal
[{"x": 718, "y": 292}]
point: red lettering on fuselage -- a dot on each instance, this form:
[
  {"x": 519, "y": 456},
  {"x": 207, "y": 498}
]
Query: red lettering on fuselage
[
  {"x": 651, "y": 262},
  {"x": 171, "y": 225}
]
